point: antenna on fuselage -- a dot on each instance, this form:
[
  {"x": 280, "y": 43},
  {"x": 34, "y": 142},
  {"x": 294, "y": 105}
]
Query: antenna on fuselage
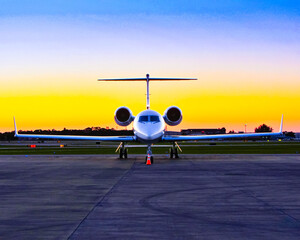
[{"x": 147, "y": 79}]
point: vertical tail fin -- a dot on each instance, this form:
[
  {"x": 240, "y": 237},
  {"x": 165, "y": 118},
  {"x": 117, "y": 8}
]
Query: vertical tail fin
[
  {"x": 148, "y": 93},
  {"x": 280, "y": 130},
  {"x": 16, "y": 131}
]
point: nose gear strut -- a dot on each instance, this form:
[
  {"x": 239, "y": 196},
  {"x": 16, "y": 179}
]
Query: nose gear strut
[{"x": 149, "y": 157}]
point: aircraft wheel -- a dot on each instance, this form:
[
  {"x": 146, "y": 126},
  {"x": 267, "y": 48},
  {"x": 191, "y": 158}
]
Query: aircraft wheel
[
  {"x": 121, "y": 153},
  {"x": 176, "y": 153},
  {"x": 171, "y": 153},
  {"x": 151, "y": 159},
  {"x": 125, "y": 153}
]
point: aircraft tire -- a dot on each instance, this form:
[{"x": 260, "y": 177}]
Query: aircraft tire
[
  {"x": 176, "y": 153},
  {"x": 151, "y": 159},
  {"x": 171, "y": 153},
  {"x": 125, "y": 153},
  {"x": 121, "y": 153}
]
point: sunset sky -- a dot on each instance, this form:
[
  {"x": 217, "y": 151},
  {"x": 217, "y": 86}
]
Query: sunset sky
[{"x": 245, "y": 54}]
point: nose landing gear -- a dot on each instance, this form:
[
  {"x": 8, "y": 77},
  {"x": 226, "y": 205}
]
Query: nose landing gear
[{"x": 149, "y": 157}]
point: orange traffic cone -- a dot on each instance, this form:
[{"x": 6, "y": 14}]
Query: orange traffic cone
[{"x": 148, "y": 160}]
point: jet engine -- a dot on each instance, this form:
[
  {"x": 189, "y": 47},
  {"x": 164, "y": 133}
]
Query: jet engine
[
  {"x": 123, "y": 116},
  {"x": 173, "y": 116}
]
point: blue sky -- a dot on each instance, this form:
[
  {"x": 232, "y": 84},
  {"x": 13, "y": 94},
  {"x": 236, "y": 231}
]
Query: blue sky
[
  {"x": 212, "y": 7},
  {"x": 55, "y": 50}
]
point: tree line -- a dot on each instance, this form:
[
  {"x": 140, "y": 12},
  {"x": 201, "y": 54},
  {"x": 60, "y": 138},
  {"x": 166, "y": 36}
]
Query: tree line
[
  {"x": 9, "y": 136},
  {"x": 97, "y": 131}
]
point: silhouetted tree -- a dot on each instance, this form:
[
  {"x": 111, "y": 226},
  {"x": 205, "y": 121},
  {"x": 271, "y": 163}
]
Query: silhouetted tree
[
  {"x": 290, "y": 134},
  {"x": 263, "y": 128},
  {"x": 7, "y": 136}
]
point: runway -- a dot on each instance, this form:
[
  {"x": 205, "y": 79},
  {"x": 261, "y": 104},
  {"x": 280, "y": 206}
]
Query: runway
[{"x": 195, "y": 197}]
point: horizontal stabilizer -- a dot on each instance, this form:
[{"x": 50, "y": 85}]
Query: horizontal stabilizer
[{"x": 145, "y": 79}]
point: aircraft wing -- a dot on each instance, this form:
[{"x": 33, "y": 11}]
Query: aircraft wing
[
  {"x": 222, "y": 136},
  {"x": 71, "y": 137},
  {"x": 218, "y": 136}
]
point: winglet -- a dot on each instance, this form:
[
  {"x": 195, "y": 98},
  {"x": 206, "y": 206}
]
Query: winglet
[
  {"x": 16, "y": 131},
  {"x": 280, "y": 131}
]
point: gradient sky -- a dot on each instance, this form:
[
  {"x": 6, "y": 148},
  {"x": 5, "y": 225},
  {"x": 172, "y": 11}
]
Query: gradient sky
[{"x": 246, "y": 55}]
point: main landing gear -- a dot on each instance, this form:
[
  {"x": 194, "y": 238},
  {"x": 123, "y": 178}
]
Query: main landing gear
[
  {"x": 174, "y": 150},
  {"x": 122, "y": 151}
]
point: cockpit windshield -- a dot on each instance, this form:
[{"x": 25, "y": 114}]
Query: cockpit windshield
[
  {"x": 154, "y": 118},
  {"x": 143, "y": 119},
  {"x": 149, "y": 118}
]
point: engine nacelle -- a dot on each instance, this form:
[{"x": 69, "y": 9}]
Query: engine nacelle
[
  {"x": 173, "y": 116},
  {"x": 123, "y": 116}
]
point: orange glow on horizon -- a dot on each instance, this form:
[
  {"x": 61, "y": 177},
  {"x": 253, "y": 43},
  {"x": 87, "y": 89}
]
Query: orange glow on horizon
[
  {"x": 247, "y": 66},
  {"x": 210, "y": 105}
]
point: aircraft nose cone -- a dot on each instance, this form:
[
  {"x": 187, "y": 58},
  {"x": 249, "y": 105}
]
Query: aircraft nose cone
[
  {"x": 147, "y": 133},
  {"x": 150, "y": 133}
]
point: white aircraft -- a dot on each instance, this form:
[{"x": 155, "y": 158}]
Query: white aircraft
[{"x": 149, "y": 126}]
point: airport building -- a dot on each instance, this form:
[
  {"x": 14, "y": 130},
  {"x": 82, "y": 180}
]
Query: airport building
[
  {"x": 172, "y": 133},
  {"x": 204, "y": 131}
]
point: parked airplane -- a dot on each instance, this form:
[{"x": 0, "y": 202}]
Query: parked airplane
[{"x": 149, "y": 126}]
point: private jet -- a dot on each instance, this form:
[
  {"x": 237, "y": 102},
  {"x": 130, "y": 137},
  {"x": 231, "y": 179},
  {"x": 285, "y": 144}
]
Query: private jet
[{"x": 149, "y": 126}]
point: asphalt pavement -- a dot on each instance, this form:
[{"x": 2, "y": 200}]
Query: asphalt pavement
[{"x": 194, "y": 197}]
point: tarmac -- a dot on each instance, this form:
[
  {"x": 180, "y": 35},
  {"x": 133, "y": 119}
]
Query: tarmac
[{"x": 194, "y": 197}]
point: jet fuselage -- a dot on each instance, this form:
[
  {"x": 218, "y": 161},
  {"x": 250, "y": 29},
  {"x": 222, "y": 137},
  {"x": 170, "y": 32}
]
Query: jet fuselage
[{"x": 149, "y": 126}]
